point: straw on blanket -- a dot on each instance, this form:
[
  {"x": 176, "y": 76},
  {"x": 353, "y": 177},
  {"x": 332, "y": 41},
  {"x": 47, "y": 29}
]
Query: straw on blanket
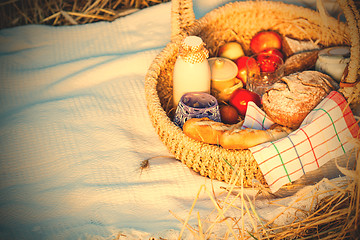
[
  {"x": 334, "y": 214},
  {"x": 67, "y": 12}
]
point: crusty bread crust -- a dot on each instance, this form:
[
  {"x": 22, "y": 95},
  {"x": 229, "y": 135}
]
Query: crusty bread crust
[
  {"x": 205, "y": 130},
  {"x": 292, "y": 46},
  {"x": 290, "y": 100},
  {"x": 301, "y": 62},
  {"x": 246, "y": 138},
  {"x": 231, "y": 136}
]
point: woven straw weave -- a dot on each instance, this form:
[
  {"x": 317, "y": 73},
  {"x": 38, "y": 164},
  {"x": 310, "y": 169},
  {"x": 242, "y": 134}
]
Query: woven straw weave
[{"x": 239, "y": 21}]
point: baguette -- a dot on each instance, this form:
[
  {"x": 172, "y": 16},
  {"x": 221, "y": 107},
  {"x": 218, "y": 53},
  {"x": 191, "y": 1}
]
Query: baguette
[
  {"x": 231, "y": 136},
  {"x": 248, "y": 137},
  {"x": 206, "y": 130}
]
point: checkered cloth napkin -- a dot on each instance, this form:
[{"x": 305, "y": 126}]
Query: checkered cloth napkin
[{"x": 326, "y": 133}]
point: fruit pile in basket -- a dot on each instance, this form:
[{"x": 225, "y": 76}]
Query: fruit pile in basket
[{"x": 268, "y": 47}]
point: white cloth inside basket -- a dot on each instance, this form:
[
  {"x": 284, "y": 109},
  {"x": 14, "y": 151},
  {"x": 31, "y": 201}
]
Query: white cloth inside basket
[{"x": 75, "y": 131}]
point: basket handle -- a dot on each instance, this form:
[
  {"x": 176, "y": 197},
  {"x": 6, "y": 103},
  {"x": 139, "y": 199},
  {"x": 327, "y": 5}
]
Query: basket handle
[
  {"x": 352, "y": 17},
  {"x": 182, "y": 16}
]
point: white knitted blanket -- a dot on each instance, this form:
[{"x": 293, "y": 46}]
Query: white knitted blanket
[{"x": 74, "y": 131}]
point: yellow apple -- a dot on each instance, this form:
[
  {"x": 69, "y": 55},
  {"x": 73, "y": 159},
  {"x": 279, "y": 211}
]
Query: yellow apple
[{"x": 231, "y": 50}]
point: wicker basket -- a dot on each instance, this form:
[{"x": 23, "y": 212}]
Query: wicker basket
[{"x": 239, "y": 21}]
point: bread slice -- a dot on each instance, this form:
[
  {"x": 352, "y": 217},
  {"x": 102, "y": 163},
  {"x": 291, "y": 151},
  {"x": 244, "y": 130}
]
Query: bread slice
[{"x": 292, "y": 46}]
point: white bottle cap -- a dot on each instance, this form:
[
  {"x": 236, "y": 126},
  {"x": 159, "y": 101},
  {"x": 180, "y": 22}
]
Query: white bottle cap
[
  {"x": 193, "y": 50},
  {"x": 193, "y": 41}
]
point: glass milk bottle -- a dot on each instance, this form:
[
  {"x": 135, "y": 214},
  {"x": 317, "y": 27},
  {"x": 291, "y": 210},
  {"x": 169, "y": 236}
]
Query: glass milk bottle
[{"x": 191, "y": 71}]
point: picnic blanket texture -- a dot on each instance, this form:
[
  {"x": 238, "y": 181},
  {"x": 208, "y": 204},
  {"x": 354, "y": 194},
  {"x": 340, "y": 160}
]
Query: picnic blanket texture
[{"x": 79, "y": 158}]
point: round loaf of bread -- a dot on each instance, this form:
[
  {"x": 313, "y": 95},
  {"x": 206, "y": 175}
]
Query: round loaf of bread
[{"x": 291, "y": 99}]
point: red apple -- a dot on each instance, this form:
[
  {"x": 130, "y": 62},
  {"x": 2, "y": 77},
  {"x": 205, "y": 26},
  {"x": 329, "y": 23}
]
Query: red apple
[
  {"x": 269, "y": 62},
  {"x": 240, "y": 98},
  {"x": 265, "y": 40},
  {"x": 231, "y": 50},
  {"x": 242, "y": 69},
  {"x": 229, "y": 114}
]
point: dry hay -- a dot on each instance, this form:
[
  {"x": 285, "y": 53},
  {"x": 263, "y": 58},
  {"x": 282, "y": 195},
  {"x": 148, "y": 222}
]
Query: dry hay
[
  {"x": 70, "y": 12},
  {"x": 334, "y": 212},
  {"x": 67, "y": 12}
]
